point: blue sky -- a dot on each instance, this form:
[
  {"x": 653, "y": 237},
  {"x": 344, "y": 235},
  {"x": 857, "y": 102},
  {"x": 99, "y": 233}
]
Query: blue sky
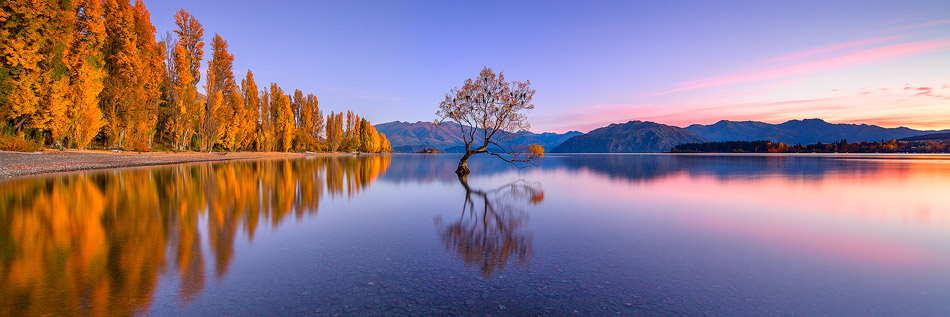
[{"x": 597, "y": 62}]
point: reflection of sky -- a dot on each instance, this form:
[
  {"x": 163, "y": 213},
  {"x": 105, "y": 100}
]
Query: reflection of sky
[
  {"x": 674, "y": 234},
  {"x": 887, "y": 210}
]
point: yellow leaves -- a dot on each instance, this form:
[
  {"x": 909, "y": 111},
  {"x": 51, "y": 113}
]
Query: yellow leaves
[
  {"x": 536, "y": 150},
  {"x": 190, "y": 34}
]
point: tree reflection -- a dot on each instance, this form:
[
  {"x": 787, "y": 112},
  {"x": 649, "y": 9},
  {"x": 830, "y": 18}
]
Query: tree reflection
[
  {"x": 490, "y": 230},
  {"x": 95, "y": 243}
]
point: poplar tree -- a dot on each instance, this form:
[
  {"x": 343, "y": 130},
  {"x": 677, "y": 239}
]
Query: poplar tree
[
  {"x": 184, "y": 109},
  {"x": 85, "y": 62},
  {"x": 145, "y": 109},
  {"x": 384, "y": 145},
  {"x": 21, "y": 60},
  {"x": 266, "y": 132},
  {"x": 190, "y": 36},
  {"x": 58, "y": 33},
  {"x": 334, "y": 131},
  {"x": 119, "y": 93},
  {"x": 219, "y": 88},
  {"x": 190, "y": 41},
  {"x": 252, "y": 104}
]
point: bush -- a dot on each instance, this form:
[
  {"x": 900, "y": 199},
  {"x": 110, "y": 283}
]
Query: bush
[{"x": 12, "y": 143}]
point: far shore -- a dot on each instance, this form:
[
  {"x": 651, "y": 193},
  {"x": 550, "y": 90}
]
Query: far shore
[{"x": 14, "y": 164}]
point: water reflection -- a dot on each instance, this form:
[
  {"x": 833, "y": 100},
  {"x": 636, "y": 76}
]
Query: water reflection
[
  {"x": 96, "y": 242},
  {"x": 628, "y": 234},
  {"x": 491, "y": 227}
]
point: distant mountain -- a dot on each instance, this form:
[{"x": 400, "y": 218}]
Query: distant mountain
[
  {"x": 808, "y": 131},
  {"x": 942, "y": 136},
  {"x": 630, "y": 137},
  {"x": 409, "y": 137}
]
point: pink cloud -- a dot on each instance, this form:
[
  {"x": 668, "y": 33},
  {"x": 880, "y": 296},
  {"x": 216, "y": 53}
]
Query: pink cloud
[
  {"x": 829, "y": 49},
  {"x": 921, "y": 25},
  {"x": 860, "y": 58},
  {"x": 888, "y": 107}
]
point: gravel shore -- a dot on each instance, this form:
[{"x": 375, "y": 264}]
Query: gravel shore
[{"x": 13, "y": 164}]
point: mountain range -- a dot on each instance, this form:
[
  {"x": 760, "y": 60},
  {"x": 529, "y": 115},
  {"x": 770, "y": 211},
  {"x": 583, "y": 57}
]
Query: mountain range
[
  {"x": 630, "y": 137},
  {"x": 407, "y": 137},
  {"x": 645, "y": 136},
  {"x": 808, "y": 131}
]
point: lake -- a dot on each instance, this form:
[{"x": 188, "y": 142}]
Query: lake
[{"x": 580, "y": 234}]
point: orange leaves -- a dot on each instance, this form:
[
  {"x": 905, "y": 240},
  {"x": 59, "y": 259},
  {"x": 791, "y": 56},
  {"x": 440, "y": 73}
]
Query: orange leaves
[
  {"x": 536, "y": 150},
  {"x": 190, "y": 35}
]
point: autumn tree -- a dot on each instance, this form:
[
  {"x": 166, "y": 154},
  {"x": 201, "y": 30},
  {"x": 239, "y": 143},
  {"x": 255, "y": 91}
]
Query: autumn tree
[
  {"x": 368, "y": 137},
  {"x": 310, "y": 123},
  {"x": 184, "y": 110},
  {"x": 489, "y": 111},
  {"x": 85, "y": 62},
  {"x": 58, "y": 32},
  {"x": 266, "y": 129},
  {"x": 190, "y": 37},
  {"x": 283, "y": 118},
  {"x": 334, "y": 131},
  {"x": 34, "y": 78},
  {"x": 384, "y": 145},
  {"x": 169, "y": 96},
  {"x": 220, "y": 89},
  {"x": 188, "y": 54},
  {"x": 119, "y": 94},
  {"x": 21, "y": 60},
  {"x": 145, "y": 109},
  {"x": 251, "y": 118},
  {"x": 351, "y": 140}
]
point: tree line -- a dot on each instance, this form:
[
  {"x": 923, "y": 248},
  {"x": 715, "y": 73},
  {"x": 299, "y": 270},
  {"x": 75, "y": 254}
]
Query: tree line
[
  {"x": 842, "y": 146},
  {"x": 81, "y": 73}
]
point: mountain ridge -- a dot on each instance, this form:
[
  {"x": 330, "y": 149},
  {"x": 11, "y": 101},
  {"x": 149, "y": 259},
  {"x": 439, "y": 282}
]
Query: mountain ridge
[
  {"x": 805, "y": 131},
  {"x": 631, "y": 137},
  {"x": 411, "y": 137}
]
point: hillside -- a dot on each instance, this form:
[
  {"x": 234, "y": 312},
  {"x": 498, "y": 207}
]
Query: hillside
[
  {"x": 630, "y": 137},
  {"x": 411, "y": 137},
  {"x": 806, "y": 131},
  {"x": 943, "y": 136}
]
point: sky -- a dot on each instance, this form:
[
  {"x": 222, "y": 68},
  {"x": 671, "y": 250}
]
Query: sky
[{"x": 593, "y": 63}]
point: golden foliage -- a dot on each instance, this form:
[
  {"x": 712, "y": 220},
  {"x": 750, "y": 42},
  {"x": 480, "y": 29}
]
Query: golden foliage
[{"x": 74, "y": 70}]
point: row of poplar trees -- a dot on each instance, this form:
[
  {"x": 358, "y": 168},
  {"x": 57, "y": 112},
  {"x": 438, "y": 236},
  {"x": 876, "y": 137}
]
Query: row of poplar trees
[{"x": 81, "y": 72}]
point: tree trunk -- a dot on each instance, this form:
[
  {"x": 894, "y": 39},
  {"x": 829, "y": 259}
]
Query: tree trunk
[{"x": 462, "y": 170}]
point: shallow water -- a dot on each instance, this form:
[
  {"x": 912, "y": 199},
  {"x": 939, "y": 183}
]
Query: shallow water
[{"x": 585, "y": 234}]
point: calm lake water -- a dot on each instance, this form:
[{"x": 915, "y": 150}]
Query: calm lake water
[{"x": 400, "y": 234}]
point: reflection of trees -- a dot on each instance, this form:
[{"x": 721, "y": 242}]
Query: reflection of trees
[
  {"x": 95, "y": 243},
  {"x": 491, "y": 228}
]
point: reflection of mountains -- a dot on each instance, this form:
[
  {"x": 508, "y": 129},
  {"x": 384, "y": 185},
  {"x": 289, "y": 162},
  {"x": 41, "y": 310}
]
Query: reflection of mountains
[
  {"x": 425, "y": 168},
  {"x": 648, "y": 167},
  {"x": 95, "y": 243},
  {"x": 634, "y": 167},
  {"x": 490, "y": 229}
]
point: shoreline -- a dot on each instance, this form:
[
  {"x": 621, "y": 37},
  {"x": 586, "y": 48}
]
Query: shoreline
[{"x": 21, "y": 164}]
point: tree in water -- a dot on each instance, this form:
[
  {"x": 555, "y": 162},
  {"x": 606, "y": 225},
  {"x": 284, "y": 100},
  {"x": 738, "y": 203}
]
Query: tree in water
[{"x": 489, "y": 112}]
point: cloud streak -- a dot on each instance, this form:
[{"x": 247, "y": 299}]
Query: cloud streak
[
  {"x": 849, "y": 60},
  {"x": 887, "y": 107},
  {"x": 830, "y": 49}
]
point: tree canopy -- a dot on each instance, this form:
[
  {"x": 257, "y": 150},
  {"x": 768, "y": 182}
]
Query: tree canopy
[
  {"x": 90, "y": 73},
  {"x": 490, "y": 112}
]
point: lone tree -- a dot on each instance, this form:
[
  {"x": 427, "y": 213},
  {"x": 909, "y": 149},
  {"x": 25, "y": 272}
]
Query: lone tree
[{"x": 488, "y": 110}]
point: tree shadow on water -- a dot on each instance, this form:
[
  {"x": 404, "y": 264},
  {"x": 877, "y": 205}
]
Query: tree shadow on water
[{"x": 490, "y": 231}]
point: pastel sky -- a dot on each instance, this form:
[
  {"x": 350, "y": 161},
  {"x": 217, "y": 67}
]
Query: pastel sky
[{"x": 599, "y": 62}]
